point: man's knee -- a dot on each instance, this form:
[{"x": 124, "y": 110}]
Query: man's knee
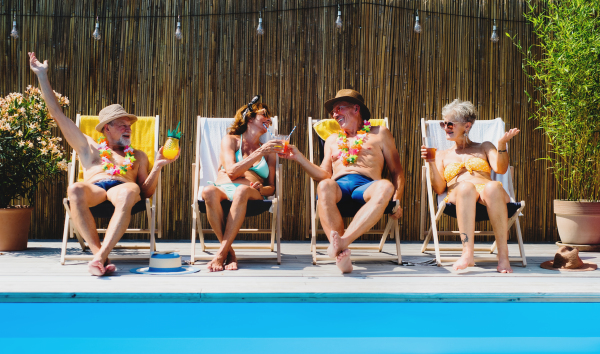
[
  {"x": 76, "y": 192},
  {"x": 384, "y": 190},
  {"x": 327, "y": 187},
  {"x": 128, "y": 196}
]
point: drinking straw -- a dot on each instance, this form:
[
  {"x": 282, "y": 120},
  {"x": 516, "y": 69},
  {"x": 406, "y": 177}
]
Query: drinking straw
[{"x": 288, "y": 137}]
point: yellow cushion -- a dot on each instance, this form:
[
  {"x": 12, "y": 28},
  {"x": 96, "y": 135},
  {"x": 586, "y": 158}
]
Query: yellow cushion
[
  {"x": 142, "y": 136},
  {"x": 324, "y": 128}
]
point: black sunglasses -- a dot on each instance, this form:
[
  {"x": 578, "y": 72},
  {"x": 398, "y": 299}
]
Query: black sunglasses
[
  {"x": 448, "y": 124},
  {"x": 250, "y": 104}
]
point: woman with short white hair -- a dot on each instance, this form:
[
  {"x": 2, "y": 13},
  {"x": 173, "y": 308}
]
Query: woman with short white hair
[{"x": 465, "y": 171}]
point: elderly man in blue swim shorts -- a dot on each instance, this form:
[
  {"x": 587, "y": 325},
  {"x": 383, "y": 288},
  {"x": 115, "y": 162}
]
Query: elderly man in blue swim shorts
[
  {"x": 112, "y": 171},
  {"x": 352, "y": 171}
]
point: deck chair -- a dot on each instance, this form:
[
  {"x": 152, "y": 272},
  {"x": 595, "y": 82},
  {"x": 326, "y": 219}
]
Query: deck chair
[
  {"x": 489, "y": 130},
  {"x": 346, "y": 209},
  {"x": 209, "y": 133},
  {"x": 144, "y": 135}
]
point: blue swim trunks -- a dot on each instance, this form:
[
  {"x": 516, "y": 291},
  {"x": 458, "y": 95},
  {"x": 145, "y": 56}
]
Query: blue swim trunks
[
  {"x": 108, "y": 183},
  {"x": 353, "y": 187}
]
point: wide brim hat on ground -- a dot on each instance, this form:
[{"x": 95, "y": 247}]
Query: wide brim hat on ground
[
  {"x": 348, "y": 95},
  {"x": 567, "y": 258},
  {"x": 112, "y": 112},
  {"x": 166, "y": 263}
]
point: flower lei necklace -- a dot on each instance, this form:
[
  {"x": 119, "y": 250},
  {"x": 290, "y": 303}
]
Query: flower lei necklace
[
  {"x": 109, "y": 167},
  {"x": 350, "y": 154}
]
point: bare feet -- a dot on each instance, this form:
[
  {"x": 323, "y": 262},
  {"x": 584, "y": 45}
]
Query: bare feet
[
  {"x": 464, "y": 261},
  {"x": 96, "y": 268},
  {"x": 109, "y": 268},
  {"x": 335, "y": 247},
  {"x": 216, "y": 265},
  {"x": 231, "y": 263},
  {"x": 344, "y": 262},
  {"x": 503, "y": 265}
]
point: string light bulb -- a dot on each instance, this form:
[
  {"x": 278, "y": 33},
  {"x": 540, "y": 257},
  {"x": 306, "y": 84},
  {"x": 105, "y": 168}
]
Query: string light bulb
[
  {"x": 260, "y": 30},
  {"x": 96, "y": 33},
  {"x": 494, "y": 38},
  {"x": 14, "y": 33},
  {"x": 417, "y": 24},
  {"x": 338, "y": 21},
  {"x": 178, "y": 34}
]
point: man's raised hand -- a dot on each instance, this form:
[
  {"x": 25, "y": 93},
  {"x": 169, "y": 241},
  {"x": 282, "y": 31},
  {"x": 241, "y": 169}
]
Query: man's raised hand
[{"x": 35, "y": 65}]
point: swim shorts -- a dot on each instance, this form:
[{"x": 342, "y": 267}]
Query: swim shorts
[
  {"x": 108, "y": 183},
  {"x": 353, "y": 187}
]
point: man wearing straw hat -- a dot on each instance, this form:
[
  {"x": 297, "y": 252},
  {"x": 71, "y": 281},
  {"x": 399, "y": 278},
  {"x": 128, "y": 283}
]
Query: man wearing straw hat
[
  {"x": 351, "y": 170},
  {"x": 111, "y": 170}
]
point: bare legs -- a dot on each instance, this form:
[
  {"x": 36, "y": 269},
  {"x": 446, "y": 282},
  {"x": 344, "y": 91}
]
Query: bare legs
[
  {"x": 493, "y": 196},
  {"x": 377, "y": 197},
  {"x": 213, "y": 197},
  {"x": 82, "y": 196}
]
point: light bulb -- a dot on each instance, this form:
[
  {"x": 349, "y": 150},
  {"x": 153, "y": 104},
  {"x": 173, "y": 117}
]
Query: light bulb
[
  {"x": 260, "y": 30},
  {"x": 338, "y": 21},
  {"x": 178, "y": 34},
  {"x": 417, "y": 25},
  {"x": 14, "y": 33},
  {"x": 96, "y": 33},
  {"x": 494, "y": 38}
]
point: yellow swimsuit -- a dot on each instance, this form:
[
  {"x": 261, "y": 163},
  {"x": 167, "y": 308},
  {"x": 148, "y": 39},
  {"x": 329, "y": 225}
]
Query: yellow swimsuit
[{"x": 472, "y": 164}]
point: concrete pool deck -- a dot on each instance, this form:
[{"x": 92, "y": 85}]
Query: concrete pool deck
[{"x": 35, "y": 275}]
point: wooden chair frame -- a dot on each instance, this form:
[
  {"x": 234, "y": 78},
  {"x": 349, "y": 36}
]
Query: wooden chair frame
[
  {"x": 392, "y": 228},
  {"x": 197, "y": 224},
  {"x": 152, "y": 211},
  {"x": 427, "y": 234}
]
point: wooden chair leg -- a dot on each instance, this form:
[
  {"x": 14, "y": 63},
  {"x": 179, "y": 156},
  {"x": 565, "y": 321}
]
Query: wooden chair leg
[
  {"x": 274, "y": 222},
  {"x": 63, "y": 250},
  {"x": 397, "y": 232},
  {"x": 494, "y": 246},
  {"x": 388, "y": 230}
]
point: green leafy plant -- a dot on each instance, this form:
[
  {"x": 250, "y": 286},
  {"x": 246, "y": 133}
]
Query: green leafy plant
[
  {"x": 28, "y": 153},
  {"x": 564, "y": 68}
]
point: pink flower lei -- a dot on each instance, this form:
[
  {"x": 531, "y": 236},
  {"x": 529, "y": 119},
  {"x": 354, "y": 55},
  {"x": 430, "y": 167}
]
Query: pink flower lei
[
  {"x": 108, "y": 166},
  {"x": 350, "y": 154}
]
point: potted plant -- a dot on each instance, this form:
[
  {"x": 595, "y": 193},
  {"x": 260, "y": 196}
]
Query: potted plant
[
  {"x": 28, "y": 156},
  {"x": 565, "y": 71}
]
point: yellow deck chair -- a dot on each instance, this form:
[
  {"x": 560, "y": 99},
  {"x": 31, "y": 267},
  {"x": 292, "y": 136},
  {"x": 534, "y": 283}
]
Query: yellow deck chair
[
  {"x": 324, "y": 128},
  {"x": 209, "y": 133},
  {"x": 144, "y": 136},
  {"x": 482, "y": 130}
]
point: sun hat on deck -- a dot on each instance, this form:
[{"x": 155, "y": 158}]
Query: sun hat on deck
[
  {"x": 165, "y": 263},
  {"x": 567, "y": 258}
]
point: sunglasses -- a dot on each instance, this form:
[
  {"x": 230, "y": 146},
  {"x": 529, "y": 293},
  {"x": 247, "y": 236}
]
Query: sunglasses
[{"x": 447, "y": 124}]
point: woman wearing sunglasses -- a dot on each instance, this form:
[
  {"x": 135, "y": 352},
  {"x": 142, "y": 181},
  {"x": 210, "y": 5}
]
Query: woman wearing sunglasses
[{"x": 464, "y": 170}]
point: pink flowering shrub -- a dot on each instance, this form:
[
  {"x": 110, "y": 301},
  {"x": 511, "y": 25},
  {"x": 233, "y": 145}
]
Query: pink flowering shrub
[{"x": 29, "y": 154}]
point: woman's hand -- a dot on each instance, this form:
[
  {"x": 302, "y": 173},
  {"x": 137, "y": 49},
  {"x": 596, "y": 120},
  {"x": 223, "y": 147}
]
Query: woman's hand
[
  {"x": 270, "y": 147},
  {"x": 424, "y": 154},
  {"x": 508, "y": 135},
  {"x": 37, "y": 67},
  {"x": 291, "y": 153}
]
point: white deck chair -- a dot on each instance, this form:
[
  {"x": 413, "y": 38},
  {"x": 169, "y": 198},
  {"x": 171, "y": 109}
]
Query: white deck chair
[
  {"x": 392, "y": 229},
  {"x": 145, "y": 137},
  {"x": 487, "y": 130},
  {"x": 209, "y": 133}
]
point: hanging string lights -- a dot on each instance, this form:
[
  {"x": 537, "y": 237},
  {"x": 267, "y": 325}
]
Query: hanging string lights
[
  {"x": 96, "y": 35},
  {"x": 14, "y": 33},
  {"x": 417, "y": 24},
  {"x": 178, "y": 34},
  {"x": 338, "y": 21},
  {"x": 260, "y": 30},
  {"x": 494, "y": 38}
]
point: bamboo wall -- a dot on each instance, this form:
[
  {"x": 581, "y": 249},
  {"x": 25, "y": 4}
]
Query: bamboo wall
[{"x": 300, "y": 62}]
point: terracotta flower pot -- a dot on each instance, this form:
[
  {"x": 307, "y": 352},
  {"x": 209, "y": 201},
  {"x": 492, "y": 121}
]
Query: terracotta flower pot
[
  {"x": 15, "y": 228},
  {"x": 578, "y": 222}
]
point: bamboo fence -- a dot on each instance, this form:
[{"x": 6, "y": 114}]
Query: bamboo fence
[{"x": 300, "y": 62}]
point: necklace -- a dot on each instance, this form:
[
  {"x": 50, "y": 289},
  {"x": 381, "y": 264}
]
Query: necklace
[
  {"x": 350, "y": 154},
  {"x": 108, "y": 166}
]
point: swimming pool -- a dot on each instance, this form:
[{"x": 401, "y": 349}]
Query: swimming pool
[{"x": 299, "y": 327}]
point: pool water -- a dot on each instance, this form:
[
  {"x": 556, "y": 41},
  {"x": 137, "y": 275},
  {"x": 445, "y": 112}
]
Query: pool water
[{"x": 299, "y": 328}]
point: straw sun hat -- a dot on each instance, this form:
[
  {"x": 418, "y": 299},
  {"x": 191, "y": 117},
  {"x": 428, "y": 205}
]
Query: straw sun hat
[
  {"x": 348, "y": 95},
  {"x": 567, "y": 258},
  {"x": 112, "y": 112}
]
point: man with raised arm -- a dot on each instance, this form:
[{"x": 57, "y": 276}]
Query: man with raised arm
[
  {"x": 111, "y": 171},
  {"x": 351, "y": 170}
]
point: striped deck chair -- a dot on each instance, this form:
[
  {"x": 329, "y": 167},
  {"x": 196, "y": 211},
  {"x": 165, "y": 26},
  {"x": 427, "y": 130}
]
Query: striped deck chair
[
  {"x": 144, "y": 136},
  {"x": 482, "y": 130},
  {"x": 209, "y": 133},
  {"x": 346, "y": 209}
]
